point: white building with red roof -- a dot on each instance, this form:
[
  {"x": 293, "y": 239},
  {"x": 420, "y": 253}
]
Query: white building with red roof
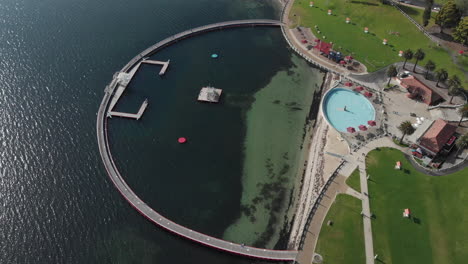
[
  {"x": 438, "y": 137},
  {"x": 419, "y": 91}
]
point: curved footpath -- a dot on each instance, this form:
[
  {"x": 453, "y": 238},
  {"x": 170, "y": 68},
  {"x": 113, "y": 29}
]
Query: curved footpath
[{"x": 140, "y": 205}]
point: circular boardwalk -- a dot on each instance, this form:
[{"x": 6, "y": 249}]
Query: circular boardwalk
[{"x": 133, "y": 199}]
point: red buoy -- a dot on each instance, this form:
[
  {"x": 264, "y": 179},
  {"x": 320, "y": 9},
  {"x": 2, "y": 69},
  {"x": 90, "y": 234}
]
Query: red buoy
[{"x": 182, "y": 140}]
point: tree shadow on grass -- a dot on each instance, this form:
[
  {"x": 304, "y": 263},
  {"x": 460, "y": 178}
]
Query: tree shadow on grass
[
  {"x": 364, "y": 3},
  {"x": 408, "y": 10}
]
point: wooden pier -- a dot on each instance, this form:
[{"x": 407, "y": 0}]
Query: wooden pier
[
  {"x": 136, "y": 116},
  {"x": 209, "y": 94},
  {"x": 165, "y": 65},
  {"x": 118, "y": 84}
]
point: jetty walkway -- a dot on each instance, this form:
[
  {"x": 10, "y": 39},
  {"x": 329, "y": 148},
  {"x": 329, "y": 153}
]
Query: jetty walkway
[{"x": 113, "y": 91}]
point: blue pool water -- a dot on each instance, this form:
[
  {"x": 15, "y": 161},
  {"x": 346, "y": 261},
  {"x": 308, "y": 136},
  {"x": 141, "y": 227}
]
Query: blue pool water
[{"x": 358, "y": 109}]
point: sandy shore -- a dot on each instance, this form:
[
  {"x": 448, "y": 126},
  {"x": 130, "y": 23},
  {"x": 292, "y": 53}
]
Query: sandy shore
[{"x": 317, "y": 168}]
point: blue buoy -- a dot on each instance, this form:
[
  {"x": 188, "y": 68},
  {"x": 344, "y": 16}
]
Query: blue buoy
[{"x": 214, "y": 55}]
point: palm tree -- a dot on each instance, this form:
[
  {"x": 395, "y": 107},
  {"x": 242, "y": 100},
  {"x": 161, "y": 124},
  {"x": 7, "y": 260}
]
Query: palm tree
[
  {"x": 430, "y": 66},
  {"x": 418, "y": 55},
  {"x": 454, "y": 85},
  {"x": 408, "y": 55},
  {"x": 454, "y": 90},
  {"x": 391, "y": 72},
  {"x": 406, "y": 128},
  {"x": 462, "y": 143},
  {"x": 454, "y": 81},
  {"x": 441, "y": 75},
  {"x": 463, "y": 111}
]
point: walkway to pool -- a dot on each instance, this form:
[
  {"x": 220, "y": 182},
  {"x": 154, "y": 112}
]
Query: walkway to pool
[{"x": 111, "y": 96}]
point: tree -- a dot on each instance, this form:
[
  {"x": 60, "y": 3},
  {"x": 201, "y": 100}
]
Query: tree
[
  {"x": 448, "y": 16},
  {"x": 462, "y": 5},
  {"x": 418, "y": 55},
  {"x": 406, "y": 128},
  {"x": 454, "y": 90},
  {"x": 454, "y": 81},
  {"x": 462, "y": 143},
  {"x": 408, "y": 55},
  {"x": 391, "y": 72},
  {"x": 461, "y": 32},
  {"x": 454, "y": 85},
  {"x": 441, "y": 75},
  {"x": 430, "y": 66},
  {"x": 463, "y": 111},
  {"x": 427, "y": 15}
]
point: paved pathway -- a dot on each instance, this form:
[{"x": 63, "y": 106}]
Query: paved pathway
[
  {"x": 359, "y": 159},
  {"x": 313, "y": 229}
]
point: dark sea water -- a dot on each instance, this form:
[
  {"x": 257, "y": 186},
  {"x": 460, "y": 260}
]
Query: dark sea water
[{"x": 57, "y": 204}]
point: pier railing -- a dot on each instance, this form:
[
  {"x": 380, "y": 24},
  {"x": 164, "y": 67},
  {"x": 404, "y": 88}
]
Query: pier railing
[
  {"x": 140, "y": 205},
  {"x": 317, "y": 203}
]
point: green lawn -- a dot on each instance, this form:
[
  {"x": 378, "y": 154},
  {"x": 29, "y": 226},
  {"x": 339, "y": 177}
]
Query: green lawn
[
  {"x": 438, "y": 229},
  {"x": 383, "y": 21},
  {"x": 353, "y": 180},
  {"x": 343, "y": 242}
]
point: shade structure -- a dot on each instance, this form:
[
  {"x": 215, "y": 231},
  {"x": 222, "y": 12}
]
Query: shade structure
[
  {"x": 362, "y": 128},
  {"x": 348, "y": 84},
  {"x": 342, "y": 62},
  {"x": 359, "y": 88},
  {"x": 351, "y": 129},
  {"x": 368, "y": 94},
  {"x": 371, "y": 123}
]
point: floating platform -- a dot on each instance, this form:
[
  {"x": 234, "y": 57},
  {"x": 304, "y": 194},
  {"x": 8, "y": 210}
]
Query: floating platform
[{"x": 209, "y": 94}]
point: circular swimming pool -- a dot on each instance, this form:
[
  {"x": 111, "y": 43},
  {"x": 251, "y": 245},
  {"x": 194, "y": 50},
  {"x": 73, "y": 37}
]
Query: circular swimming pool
[{"x": 344, "y": 108}]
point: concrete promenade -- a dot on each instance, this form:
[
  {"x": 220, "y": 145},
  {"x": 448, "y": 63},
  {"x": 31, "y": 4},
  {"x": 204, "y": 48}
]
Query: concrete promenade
[
  {"x": 194, "y": 31},
  {"x": 164, "y": 64},
  {"x": 136, "y": 116},
  {"x": 132, "y": 198}
]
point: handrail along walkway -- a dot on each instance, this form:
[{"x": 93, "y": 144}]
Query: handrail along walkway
[{"x": 140, "y": 205}]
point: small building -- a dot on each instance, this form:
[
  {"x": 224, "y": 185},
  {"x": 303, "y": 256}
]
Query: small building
[
  {"x": 323, "y": 47},
  {"x": 419, "y": 91},
  {"x": 209, "y": 94},
  {"x": 407, "y": 213},
  {"x": 438, "y": 138}
]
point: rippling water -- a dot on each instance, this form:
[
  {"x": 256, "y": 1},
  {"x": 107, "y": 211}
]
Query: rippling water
[{"x": 56, "y": 56}]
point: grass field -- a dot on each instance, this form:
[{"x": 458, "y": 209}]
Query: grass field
[
  {"x": 438, "y": 229},
  {"x": 342, "y": 242},
  {"x": 383, "y": 21},
  {"x": 353, "y": 180}
]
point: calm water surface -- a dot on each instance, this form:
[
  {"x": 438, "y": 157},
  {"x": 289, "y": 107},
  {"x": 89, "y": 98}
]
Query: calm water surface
[{"x": 56, "y": 56}]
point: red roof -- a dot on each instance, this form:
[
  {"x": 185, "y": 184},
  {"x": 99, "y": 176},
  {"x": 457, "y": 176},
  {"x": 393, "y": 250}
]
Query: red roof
[
  {"x": 437, "y": 135},
  {"x": 418, "y": 89},
  {"x": 323, "y": 46}
]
